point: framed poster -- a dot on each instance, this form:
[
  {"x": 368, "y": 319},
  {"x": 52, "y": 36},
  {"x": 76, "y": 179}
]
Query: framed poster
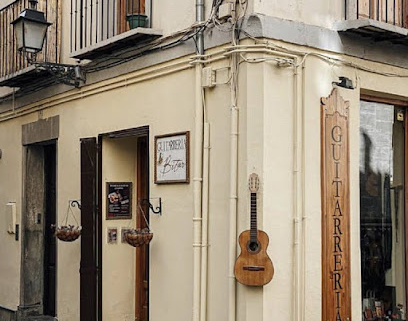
[
  {"x": 112, "y": 236},
  {"x": 125, "y": 230},
  {"x": 171, "y": 158},
  {"x": 118, "y": 200}
]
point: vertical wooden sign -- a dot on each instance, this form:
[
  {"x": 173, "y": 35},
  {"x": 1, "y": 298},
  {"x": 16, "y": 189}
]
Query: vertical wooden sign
[{"x": 336, "y": 292}]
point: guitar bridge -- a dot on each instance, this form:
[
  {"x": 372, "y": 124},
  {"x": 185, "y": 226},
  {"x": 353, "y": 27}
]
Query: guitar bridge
[{"x": 253, "y": 268}]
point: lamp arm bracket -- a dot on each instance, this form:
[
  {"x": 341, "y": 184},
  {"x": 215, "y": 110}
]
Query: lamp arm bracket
[{"x": 70, "y": 75}]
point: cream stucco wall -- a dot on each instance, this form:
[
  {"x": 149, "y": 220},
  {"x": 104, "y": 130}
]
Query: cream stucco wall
[
  {"x": 314, "y": 12},
  {"x": 10, "y": 191},
  {"x": 126, "y": 109},
  {"x": 278, "y": 172},
  {"x": 266, "y": 145},
  {"x": 118, "y": 259}
]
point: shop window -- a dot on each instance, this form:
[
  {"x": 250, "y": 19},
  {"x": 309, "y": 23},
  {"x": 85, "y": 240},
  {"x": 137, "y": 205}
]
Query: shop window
[{"x": 382, "y": 211}]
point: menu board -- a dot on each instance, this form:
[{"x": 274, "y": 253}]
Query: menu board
[{"x": 119, "y": 200}]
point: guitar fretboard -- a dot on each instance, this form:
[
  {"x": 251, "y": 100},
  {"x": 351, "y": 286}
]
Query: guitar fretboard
[{"x": 254, "y": 224}]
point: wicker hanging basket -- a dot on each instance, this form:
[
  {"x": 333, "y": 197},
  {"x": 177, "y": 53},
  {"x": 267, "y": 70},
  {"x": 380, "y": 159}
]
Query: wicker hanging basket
[
  {"x": 68, "y": 233},
  {"x": 65, "y": 232},
  {"x": 138, "y": 237}
]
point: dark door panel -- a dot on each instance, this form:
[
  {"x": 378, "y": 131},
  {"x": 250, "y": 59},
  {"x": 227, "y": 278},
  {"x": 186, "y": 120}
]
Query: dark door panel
[
  {"x": 142, "y": 253},
  {"x": 50, "y": 243},
  {"x": 88, "y": 265}
]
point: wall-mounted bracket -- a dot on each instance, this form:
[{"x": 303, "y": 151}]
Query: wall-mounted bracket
[
  {"x": 344, "y": 82},
  {"x": 75, "y": 202},
  {"x": 71, "y": 75},
  {"x": 157, "y": 210}
]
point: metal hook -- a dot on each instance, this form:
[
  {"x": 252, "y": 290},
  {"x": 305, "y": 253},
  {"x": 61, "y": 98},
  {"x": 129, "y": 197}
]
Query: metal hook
[
  {"x": 158, "y": 209},
  {"x": 77, "y": 203}
]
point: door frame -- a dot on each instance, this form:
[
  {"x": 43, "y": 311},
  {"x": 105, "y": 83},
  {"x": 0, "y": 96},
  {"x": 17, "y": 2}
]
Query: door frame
[
  {"x": 137, "y": 132},
  {"x": 25, "y": 308}
]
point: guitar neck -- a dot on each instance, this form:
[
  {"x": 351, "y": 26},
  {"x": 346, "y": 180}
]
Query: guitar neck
[{"x": 254, "y": 223}]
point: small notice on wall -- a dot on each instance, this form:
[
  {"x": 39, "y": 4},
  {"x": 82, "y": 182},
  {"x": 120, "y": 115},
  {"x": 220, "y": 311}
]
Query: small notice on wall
[
  {"x": 112, "y": 235},
  {"x": 336, "y": 280},
  {"x": 119, "y": 200},
  {"x": 171, "y": 158}
]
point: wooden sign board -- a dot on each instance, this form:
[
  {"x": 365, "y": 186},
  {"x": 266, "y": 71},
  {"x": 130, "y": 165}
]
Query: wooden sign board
[
  {"x": 336, "y": 292},
  {"x": 171, "y": 156}
]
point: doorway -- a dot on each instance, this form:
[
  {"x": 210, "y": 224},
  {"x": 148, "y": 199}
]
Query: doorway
[
  {"x": 121, "y": 156},
  {"x": 39, "y": 263}
]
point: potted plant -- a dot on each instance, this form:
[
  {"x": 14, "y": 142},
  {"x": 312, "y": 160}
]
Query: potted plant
[
  {"x": 138, "y": 237},
  {"x": 135, "y": 15}
]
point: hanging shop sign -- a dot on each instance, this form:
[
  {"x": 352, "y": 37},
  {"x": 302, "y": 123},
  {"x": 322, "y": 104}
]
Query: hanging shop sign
[
  {"x": 336, "y": 296},
  {"x": 171, "y": 157},
  {"x": 119, "y": 200}
]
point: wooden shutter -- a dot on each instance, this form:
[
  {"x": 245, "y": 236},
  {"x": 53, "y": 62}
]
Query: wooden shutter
[
  {"x": 142, "y": 253},
  {"x": 88, "y": 266}
]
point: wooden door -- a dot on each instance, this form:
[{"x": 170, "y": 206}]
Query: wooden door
[
  {"x": 142, "y": 253},
  {"x": 50, "y": 246},
  {"x": 89, "y": 240}
]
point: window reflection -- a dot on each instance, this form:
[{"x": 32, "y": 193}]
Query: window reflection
[{"x": 382, "y": 212}]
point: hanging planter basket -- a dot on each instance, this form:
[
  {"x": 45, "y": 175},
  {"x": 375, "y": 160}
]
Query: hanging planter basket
[
  {"x": 66, "y": 232},
  {"x": 138, "y": 237}
]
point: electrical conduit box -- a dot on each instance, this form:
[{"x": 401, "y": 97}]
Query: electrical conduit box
[{"x": 11, "y": 217}]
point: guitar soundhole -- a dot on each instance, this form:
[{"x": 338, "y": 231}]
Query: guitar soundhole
[{"x": 253, "y": 247}]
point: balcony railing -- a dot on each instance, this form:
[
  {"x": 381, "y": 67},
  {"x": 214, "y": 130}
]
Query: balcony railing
[
  {"x": 389, "y": 11},
  {"x": 11, "y": 60},
  {"x": 93, "y": 21}
]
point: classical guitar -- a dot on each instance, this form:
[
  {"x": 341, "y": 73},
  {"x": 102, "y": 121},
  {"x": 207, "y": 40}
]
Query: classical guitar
[{"x": 253, "y": 266}]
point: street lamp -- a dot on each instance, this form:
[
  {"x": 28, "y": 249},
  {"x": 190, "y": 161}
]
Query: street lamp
[{"x": 30, "y": 29}]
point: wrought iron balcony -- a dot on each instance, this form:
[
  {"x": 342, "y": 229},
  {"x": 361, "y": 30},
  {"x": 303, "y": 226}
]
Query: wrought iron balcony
[
  {"x": 382, "y": 20},
  {"x": 103, "y": 26},
  {"x": 13, "y": 63}
]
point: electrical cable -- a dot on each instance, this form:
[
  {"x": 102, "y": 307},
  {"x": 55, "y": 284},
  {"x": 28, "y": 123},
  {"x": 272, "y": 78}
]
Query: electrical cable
[{"x": 305, "y": 55}]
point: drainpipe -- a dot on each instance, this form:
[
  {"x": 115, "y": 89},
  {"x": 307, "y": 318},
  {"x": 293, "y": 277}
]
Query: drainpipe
[
  {"x": 198, "y": 167},
  {"x": 233, "y": 190},
  {"x": 204, "y": 234},
  {"x": 200, "y": 18},
  {"x": 297, "y": 192}
]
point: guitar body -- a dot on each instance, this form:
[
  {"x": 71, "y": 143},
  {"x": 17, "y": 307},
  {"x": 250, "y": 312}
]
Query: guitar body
[{"x": 253, "y": 267}]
